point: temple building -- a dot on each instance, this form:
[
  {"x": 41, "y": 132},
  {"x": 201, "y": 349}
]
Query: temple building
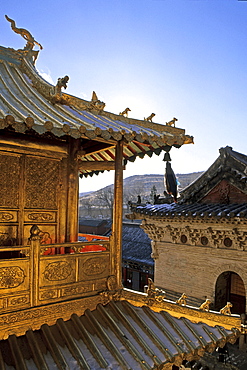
[
  {"x": 62, "y": 304},
  {"x": 199, "y": 243}
]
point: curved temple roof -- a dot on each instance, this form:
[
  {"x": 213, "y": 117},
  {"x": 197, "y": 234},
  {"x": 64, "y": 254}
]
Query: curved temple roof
[
  {"x": 230, "y": 167},
  {"x": 118, "y": 335},
  {"x": 28, "y": 102}
]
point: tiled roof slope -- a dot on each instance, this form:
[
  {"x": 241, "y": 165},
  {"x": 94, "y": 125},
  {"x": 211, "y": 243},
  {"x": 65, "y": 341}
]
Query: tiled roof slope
[
  {"x": 28, "y": 102},
  {"x": 230, "y": 167},
  {"x": 229, "y": 211},
  {"x": 136, "y": 244},
  {"x": 116, "y": 336}
]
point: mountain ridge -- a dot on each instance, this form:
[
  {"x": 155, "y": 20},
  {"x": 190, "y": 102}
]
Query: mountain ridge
[{"x": 135, "y": 185}]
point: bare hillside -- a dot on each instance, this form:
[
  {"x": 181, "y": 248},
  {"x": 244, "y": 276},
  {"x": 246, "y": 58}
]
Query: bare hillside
[{"x": 100, "y": 202}]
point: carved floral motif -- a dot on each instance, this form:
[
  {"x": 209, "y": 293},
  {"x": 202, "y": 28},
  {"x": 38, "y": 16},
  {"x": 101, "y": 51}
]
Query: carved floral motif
[
  {"x": 6, "y": 216},
  {"x": 57, "y": 271},
  {"x": 9, "y": 185},
  {"x": 39, "y": 216},
  {"x": 94, "y": 266},
  {"x": 155, "y": 232},
  {"x": 73, "y": 290},
  {"x": 18, "y": 300},
  {"x": 41, "y": 183},
  {"x": 11, "y": 277},
  {"x": 211, "y": 237},
  {"x": 48, "y": 294},
  {"x": 112, "y": 292}
]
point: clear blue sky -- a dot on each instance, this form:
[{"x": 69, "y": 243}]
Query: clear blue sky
[{"x": 177, "y": 58}]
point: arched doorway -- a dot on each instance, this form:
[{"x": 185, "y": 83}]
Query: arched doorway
[{"x": 230, "y": 288}]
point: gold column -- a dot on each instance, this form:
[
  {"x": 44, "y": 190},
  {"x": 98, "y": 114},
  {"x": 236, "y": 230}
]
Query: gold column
[
  {"x": 73, "y": 192},
  {"x": 34, "y": 268},
  {"x": 116, "y": 250}
]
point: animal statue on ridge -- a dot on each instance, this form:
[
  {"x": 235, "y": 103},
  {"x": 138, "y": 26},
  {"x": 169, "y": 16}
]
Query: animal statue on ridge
[
  {"x": 125, "y": 112},
  {"x": 149, "y": 118},
  {"x": 226, "y": 310},
  {"x": 172, "y": 122},
  {"x": 205, "y": 305},
  {"x": 182, "y": 300}
]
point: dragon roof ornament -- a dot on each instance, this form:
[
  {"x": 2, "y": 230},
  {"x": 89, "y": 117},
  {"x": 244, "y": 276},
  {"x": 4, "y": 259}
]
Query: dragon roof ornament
[{"x": 28, "y": 37}]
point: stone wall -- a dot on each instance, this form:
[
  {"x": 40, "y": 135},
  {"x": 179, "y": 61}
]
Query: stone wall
[
  {"x": 191, "y": 253},
  {"x": 195, "y": 270}
]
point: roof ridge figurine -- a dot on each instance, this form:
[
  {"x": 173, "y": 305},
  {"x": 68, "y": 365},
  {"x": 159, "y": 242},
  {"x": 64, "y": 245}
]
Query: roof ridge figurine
[
  {"x": 25, "y": 34},
  {"x": 172, "y": 122},
  {"x": 149, "y": 118},
  {"x": 125, "y": 112}
]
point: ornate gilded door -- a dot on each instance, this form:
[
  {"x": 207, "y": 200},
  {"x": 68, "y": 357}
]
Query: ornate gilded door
[{"x": 31, "y": 192}]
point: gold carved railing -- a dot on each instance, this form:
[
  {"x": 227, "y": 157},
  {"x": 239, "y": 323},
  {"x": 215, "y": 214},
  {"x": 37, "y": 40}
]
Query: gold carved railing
[{"x": 41, "y": 274}]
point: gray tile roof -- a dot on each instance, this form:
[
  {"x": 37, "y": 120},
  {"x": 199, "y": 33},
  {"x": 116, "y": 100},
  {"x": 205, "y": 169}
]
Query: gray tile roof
[
  {"x": 230, "y": 165},
  {"x": 193, "y": 210},
  {"x": 136, "y": 244},
  {"x": 116, "y": 336}
]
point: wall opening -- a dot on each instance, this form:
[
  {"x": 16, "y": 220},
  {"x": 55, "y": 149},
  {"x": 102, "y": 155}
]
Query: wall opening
[{"x": 230, "y": 288}]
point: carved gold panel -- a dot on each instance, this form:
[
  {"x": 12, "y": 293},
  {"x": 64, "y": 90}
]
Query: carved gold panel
[
  {"x": 100, "y": 284},
  {"x": 17, "y": 301},
  {"x": 48, "y": 294},
  {"x": 38, "y": 216},
  {"x": 2, "y": 303},
  {"x": 14, "y": 276},
  {"x": 93, "y": 267},
  {"x": 8, "y": 216},
  {"x": 57, "y": 271},
  {"x": 78, "y": 289},
  {"x": 65, "y": 292},
  {"x": 48, "y": 233},
  {"x": 42, "y": 180},
  {"x": 8, "y": 235},
  {"x": 9, "y": 180}
]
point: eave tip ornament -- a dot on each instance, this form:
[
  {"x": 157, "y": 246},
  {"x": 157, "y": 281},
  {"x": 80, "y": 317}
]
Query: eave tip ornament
[{"x": 28, "y": 37}]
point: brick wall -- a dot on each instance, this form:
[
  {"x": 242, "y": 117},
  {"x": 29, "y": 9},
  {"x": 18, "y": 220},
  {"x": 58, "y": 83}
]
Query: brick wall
[{"x": 194, "y": 269}]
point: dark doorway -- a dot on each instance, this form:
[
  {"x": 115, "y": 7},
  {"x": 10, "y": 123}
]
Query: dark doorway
[{"x": 230, "y": 288}]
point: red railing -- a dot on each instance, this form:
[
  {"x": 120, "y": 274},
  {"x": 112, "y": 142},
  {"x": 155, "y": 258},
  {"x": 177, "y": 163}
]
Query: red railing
[
  {"x": 91, "y": 243},
  {"x": 93, "y": 247}
]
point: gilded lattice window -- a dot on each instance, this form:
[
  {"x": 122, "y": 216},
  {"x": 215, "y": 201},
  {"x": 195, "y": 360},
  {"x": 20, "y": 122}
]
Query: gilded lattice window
[
  {"x": 9, "y": 180},
  {"x": 42, "y": 176}
]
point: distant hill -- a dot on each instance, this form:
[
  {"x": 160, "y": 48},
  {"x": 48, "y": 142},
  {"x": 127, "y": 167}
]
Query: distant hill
[
  {"x": 133, "y": 186},
  {"x": 84, "y": 193},
  {"x": 187, "y": 178}
]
